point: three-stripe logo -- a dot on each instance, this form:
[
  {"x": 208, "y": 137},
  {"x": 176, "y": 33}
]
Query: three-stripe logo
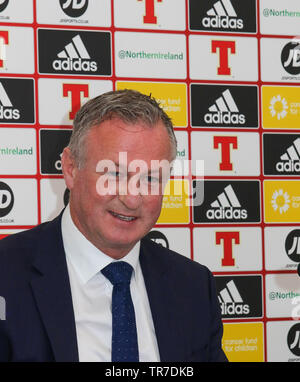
[
  {"x": 293, "y": 152},
  {"x": 226, "y": 206},
  {"x": 290, "y": 160},
  {"x": 75, "y": 56},
  {"x": 231, "y": 301},
  {"x": 222, "y": 8},
  {"x": 74, "y": 49},
  {"x": 239, "y": 296},
  {"x": 7, "y": 112},
  {"x": 225, "y": 111},
  {"x": 222, "y": 15},
  {"x": 227, "y": 198}
]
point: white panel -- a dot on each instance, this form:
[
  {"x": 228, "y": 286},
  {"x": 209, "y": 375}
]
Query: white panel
[
  {"x": 150, "y": 55},
  {"x": 247, "y": 255},
  {"x": 19, "y": 52},
  {"x": 204, "y": 64},
  {"x": 98, "y": 13}
]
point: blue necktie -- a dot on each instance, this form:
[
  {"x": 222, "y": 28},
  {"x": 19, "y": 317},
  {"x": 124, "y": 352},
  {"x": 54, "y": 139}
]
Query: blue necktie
[{"x": 124, "y": 347}]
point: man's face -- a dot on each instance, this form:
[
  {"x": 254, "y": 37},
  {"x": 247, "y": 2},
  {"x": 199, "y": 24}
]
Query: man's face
[{"x": 115, "y": 221}]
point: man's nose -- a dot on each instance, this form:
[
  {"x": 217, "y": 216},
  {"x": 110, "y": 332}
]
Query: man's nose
[
  {"x": 129, "y": 196},
  {"x": 130, "y": 201}
]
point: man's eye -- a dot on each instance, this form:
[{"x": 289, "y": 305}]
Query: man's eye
[
  {"x": 113, "y": 174},
  {"x": 152, "y": 180}
]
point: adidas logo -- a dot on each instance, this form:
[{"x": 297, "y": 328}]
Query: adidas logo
[
  {"x": 75, "y": 57},
  {"x": 225, "y": 111},
  {"x": 231, "y": 302},
  {"x": 222, "y": 15},
  {"x": 290, "y": 160},
  {"x": 7, "y": 112},
  {"x": 227, "y": 206}
]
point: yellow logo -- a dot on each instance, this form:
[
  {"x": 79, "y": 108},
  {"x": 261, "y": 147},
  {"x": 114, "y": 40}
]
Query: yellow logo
[
  {"x": 282, "y": 201},
  {"x": 171, "y": 96},
  {"x": 243, "y": 342},
  {"x": 278, "y": 107},
  {"x": 281, "y": 107},
  {"x": 175, "y": 206}
]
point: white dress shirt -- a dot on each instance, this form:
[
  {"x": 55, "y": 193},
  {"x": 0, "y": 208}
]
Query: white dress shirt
[{"x": 92, "y": 297}]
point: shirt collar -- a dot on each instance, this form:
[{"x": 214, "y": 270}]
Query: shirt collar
[{"x": 84, "y": 256}]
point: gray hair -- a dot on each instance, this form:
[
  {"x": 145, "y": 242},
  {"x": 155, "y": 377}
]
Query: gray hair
[{"x": 130, "y": 106}]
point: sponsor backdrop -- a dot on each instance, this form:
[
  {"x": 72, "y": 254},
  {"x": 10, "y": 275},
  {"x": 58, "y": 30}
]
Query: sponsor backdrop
[{"x": 228, "y": 73}]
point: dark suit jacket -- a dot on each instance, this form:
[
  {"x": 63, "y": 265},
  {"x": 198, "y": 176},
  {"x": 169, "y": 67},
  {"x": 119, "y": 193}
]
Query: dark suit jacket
[{"x": 40, "y": 323}]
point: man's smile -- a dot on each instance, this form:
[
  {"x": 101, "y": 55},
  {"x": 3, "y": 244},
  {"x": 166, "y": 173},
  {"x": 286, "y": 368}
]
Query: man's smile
[{"x": 123, "y": 217}]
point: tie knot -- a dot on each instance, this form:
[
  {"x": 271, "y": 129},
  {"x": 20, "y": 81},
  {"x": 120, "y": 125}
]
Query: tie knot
[{"x": 118, "y": 272}]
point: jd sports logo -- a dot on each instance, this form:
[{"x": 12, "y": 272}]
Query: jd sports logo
[
  {"x": 293, "y": 339},
  {"x": 74, "y": 8},
  {"x": 224, "y": 106},
  {"x": 292, "y": 245},
  {"x": 52, "y": 143},
  {"x": 290, "y": 57},
  {"x": 74, "y": 52},
  {"x": 239, "y": 296},
  {"x": 281, "y": 154},
  {"x": 16, "y": 100},
  {"x": 3, "y": 4},
  {"x": 234, "y": 202},
  {"x": 223, "y": 15},
  {"x": 158, "y": 237},
  {"x": 6, "y": 199}
]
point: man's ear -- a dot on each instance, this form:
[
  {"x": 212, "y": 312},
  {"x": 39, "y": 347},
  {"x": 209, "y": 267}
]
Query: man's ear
[{"x": 69, "y": 167}]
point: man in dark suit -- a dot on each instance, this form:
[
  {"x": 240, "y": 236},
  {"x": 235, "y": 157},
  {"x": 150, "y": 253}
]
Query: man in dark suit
[{"x": 88, "y": 286}]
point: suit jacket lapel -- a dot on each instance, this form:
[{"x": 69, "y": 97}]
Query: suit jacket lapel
[
  {"x": 51, "y": 288},
  {"x": 162, "y": 299}
]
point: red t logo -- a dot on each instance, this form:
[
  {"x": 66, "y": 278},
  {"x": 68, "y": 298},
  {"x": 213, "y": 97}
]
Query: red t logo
[
  {"x": 3, "y": 41},
  {"x": 228, "y": 238},
  {"x": 75, "y": 90},
  {"x": 225, "y": 143},
  {"x": 150, "y": 17},
  {"x": 224, "y": 47}
]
